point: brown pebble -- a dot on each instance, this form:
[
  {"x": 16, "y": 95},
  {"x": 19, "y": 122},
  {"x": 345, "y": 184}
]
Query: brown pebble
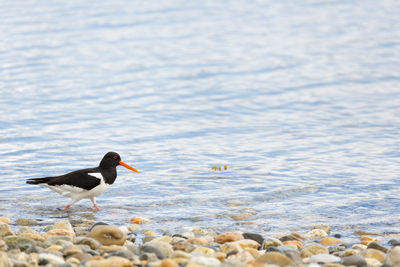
[
  {"x": 5, "y": 220},
  {"x": 198, "y": 241},
  {"x": 374, "y": 253},
  {"x": 375, "y": 245},
  {"x": 313, "y": 249},
  {"x": 330, "y": 241},
  {"x": 57, "y": 232},
  {"x": 365, "y": 240},
  {"x": 108, "y": 235},
  {"x": 228, "y": 237},
  {"x": 167, "y": 263},
  {"x": 298, "y": 244},
  {"x": 275, "y": 258}
]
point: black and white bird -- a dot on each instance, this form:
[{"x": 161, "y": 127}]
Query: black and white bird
[{"x": 86, "y": 183}]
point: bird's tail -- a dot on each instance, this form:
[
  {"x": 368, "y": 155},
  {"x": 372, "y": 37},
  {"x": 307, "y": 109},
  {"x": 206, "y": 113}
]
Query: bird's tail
[{"x": 38, "y": 180}]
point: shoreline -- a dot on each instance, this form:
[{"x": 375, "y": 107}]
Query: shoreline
[{"x": 99, "y": 244}]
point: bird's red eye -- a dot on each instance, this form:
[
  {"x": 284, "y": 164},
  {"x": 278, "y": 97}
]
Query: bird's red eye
[{"x": 115, "y": 157}]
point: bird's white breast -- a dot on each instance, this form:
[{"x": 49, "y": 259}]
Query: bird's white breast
[{"x": 75, "y": 192}]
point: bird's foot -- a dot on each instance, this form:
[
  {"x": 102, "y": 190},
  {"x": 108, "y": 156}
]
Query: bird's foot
[
  {"x": 67, "y": 207},
  {"x": 95, "y": 207}
]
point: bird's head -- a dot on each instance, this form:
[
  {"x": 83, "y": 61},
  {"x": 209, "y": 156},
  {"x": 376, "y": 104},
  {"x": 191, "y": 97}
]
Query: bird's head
[{"x": 113, "y": 159}]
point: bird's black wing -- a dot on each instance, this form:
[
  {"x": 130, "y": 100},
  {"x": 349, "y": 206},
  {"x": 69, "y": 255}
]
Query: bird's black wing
[{"x": 80, "y": 178}]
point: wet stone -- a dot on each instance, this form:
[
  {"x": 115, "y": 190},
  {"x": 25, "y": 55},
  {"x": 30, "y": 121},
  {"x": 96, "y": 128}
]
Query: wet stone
[
  {"x": 58, "y": 240},
  {"x": 108, "y": 235},
  {"x": 96, "y": 224},
  {"x": 323, "y": 258},
  {"x": 152, "y": 249},
  {"x": 256, "y": 237},
  {"x": 272, "y": 242},
  {"x": 47, "y": 258},
  {"x": 3, "y": 245},
  {"x": 26, "y": 221},
  {"x": 316, "y": 234},
  {"x": 393, "y": 256},
  {"x": 228, "y": 237},
  {"x": 5, "y": 220},
  {"x": 183, "y": 245},
  {"x": 275, "y": 258},
  {"x": 322, "y": 226},
  {"x": 376, "y": 245},
  {"x": 375, "y": 254},
  {"x": 14, "y": 241},
  {"x": 394, "y": 242},
  {"x": 91, "y": 242},
  {"x": 165, "y": 247},
  {"x": 5, "y": 230},
  {"x": 313, "y": 249},
  {"x": 354, "y": 260}
]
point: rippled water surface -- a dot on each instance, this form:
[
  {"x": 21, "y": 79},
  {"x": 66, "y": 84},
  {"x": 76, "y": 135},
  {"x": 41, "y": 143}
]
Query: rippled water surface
[{"x": 300, "y": 99}]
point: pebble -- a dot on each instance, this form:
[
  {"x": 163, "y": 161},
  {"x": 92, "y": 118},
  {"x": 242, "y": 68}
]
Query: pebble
[
  {"x": 374, "y": 253},
  {"x": 322, "y": 226},
  {"x": 275, "y": 258},
  {"x": 133, "y": 228},
  {"x": 153, "y": 249},
  {"x": 296, "y": 243},
  {"x": 272, "y": 242},
  {"x": 198, "y": 241},
  {"x": 3, "y": 245},
  {"x": 393, "y": 257},
  {"x": 168, "y": 263},
  {"x": 375, "y": 245},
  {"x": 26, "y": 221},
  {"x": 228, "y": 237},
  {"x": 15, "y": 241},
  {"x": 113, "y": 261},
  {"x": 5, "y": 220},
  {"x": 256, "y": 237},
  {"x": 330, "y": 241},
  {"x": 242, "y": 256},
  {"x": 59, "y": 232},
  {"x": 323, "y": 258},
  {"x": 139, "y": 220},
  {"x": 354, "y": 260},
  {"x": 91, "y": 242},
  {"x": 316, "y": 234},
  {"x": 33, "y": 236},
  {"x": 108, "y": 235},
  {"x": 68, "y": 245},
  {"x": 365, "y": 240},
  {"x": 204, "y": 261},
  {"x": 5, "y": 229},
  {"x": 313, "y": 249},
  {"x": 183, "y": 245},
  {"x": 58, "y": 240},
  {"x": 165, "y": 247},
  {"x": 52, "y": 259}
]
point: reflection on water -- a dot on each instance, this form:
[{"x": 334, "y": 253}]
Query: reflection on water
[{"x": 299, "y": 100}]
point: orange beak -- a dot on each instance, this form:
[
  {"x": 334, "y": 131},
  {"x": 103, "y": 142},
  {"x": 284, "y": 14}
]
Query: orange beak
[{"x": 128, "y": 167}]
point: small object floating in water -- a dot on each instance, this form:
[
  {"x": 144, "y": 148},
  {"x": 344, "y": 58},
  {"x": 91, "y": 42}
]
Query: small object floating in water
[
  {"x": 85, "y": 183},
  {"x": 219, "y": 168}
]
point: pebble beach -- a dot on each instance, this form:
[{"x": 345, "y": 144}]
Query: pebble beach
[{"x": 26, "y": 243}]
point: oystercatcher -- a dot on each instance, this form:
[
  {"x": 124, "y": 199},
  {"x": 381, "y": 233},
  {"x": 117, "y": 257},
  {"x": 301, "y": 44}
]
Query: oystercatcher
[{"x": 86, "y": 183}]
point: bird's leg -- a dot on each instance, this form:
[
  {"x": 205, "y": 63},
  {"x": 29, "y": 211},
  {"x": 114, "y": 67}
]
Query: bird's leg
[
  {"x": 94, "y": 203},
  {"x": 70, "y": 204}
]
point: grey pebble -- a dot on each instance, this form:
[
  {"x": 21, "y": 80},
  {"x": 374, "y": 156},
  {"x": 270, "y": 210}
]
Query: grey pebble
[
  {"x": 152, "y": 249},
  {"x": 256, "y": 237},
  {"x": 354, "y": 260}
]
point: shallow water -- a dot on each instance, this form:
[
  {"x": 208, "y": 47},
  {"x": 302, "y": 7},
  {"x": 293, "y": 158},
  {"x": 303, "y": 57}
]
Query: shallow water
[{"x": 299, "y": 100}]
